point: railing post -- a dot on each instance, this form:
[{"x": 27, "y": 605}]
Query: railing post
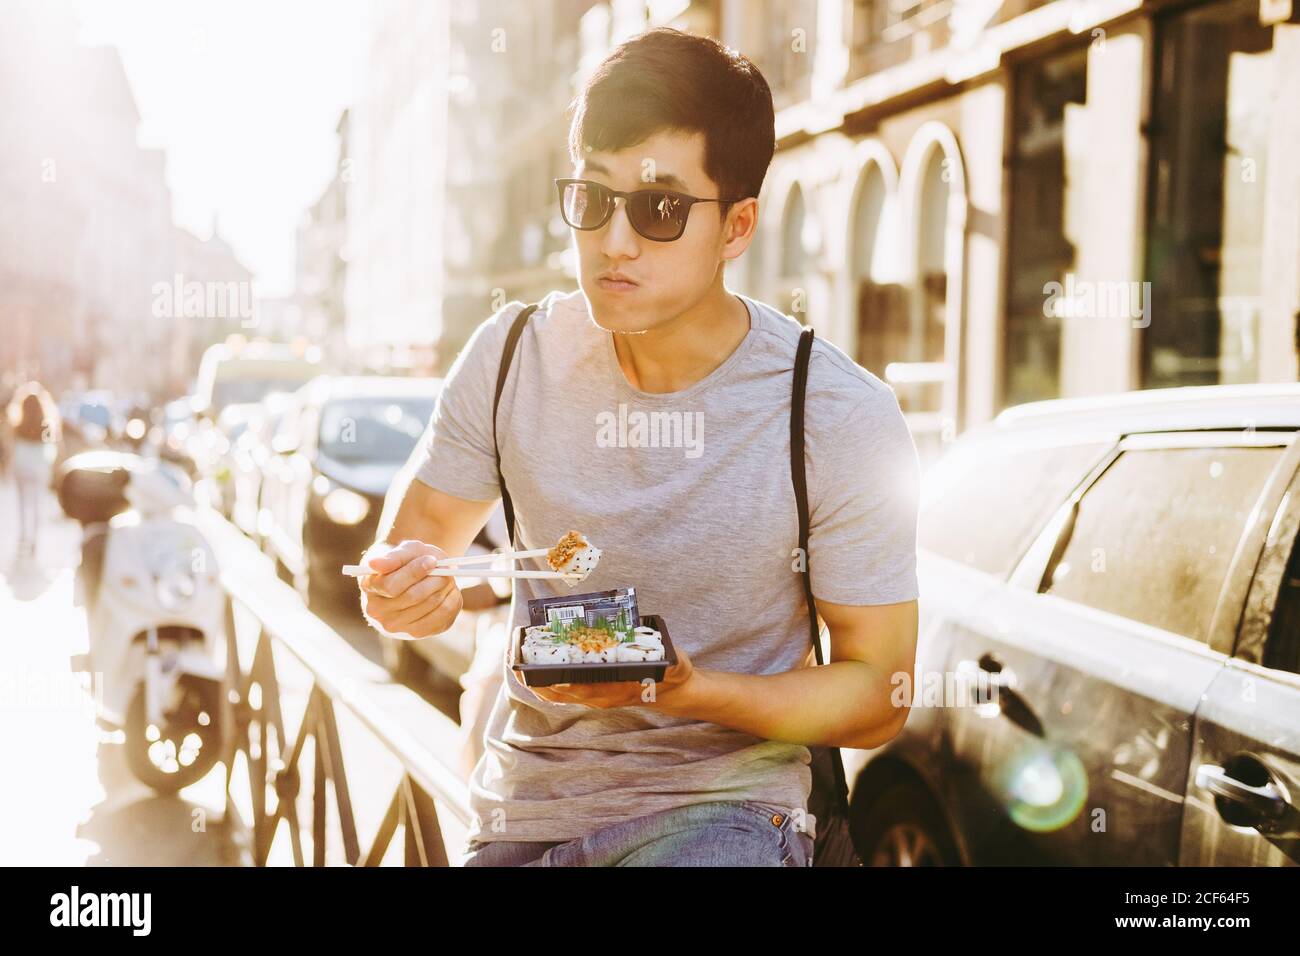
[{"x": 424, "y": 846}]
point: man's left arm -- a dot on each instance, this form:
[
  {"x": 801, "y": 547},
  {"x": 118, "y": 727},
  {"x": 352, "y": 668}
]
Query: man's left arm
[
  {"x": 864, "y": 491},
  {"x": 856, "y": 700}
]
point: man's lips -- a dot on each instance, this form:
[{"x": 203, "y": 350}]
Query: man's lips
[{"x": 613, "y": 282}]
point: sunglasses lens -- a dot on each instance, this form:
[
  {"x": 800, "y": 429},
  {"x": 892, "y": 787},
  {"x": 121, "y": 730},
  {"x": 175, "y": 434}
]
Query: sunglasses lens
[
  {"x": 658, "y": 215},
  {"x": 584, "y": 205}
]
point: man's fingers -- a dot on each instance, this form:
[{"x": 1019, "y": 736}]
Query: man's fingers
[
  {"x": 423, "y": 620},
  {"x": 394, "y": 558},
  {"x": 383, "y": 564},
  {"x": 395, "y": 583},
  {"x": 421, "y": 592}
]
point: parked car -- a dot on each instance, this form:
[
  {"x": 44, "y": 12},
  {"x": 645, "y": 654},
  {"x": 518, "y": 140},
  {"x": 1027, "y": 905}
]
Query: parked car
[
  {"x": 1108, "y": 668},
  {"x": 336, "y": 449},
  {"x": 177, "y": 426},
  {"x": 237, "y": 372},
  {"x": 232, "y": 423},
  {"x": 249, "y": 458}
]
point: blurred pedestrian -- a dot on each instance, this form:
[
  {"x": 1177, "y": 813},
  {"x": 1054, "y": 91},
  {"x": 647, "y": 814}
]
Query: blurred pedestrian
[{"x": 36, "y": 432}]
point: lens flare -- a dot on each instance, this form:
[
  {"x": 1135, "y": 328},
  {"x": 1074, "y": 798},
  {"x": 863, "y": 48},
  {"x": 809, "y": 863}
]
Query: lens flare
[{"x": 1043, "y": 786}]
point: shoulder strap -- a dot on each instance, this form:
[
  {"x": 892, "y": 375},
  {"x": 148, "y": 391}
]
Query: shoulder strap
[
  {"x": 507, "y": 356},
  {"x": 799, "y": 476}
]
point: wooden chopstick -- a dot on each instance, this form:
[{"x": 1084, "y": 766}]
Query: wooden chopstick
[
  {"x": 359, "y": 570},
  {"x": 487, "y": 558}
]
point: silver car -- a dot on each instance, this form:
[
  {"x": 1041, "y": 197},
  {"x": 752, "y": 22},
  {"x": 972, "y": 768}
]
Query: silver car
[{"x": 1108, "y": 670}]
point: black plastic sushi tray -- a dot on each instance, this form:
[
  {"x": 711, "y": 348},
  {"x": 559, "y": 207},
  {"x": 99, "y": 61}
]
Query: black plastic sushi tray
[{"x": 544, "y": 675}]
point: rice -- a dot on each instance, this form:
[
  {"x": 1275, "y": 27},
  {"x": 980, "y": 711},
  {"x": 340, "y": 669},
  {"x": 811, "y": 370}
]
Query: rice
[
  {"x": 639, "y": 651},
  {"x": 547, "y": 654}
]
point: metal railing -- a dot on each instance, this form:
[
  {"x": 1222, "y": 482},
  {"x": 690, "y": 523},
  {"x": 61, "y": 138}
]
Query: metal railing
[{"x": 413, "y": 731}]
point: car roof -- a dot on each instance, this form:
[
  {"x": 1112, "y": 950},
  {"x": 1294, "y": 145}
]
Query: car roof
[
  {"x": 1188, "y": 408},
  {"x": 330, "y": 387}
]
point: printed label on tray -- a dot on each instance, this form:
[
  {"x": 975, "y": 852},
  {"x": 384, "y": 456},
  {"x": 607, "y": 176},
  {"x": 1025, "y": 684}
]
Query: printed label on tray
[
  {"x": 616, "y": 607},
  {"x": 564, "y": 613}
]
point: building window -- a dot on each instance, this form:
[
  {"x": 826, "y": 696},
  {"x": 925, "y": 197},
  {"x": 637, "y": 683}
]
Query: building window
[
  {"x": 883, "y": 328},
  {"x": 1048, "y": 95},
  {"x": 787, "y": 53},
  {"x": 885, "y": 33},
  {"x": 797, "y": 236},
  {"x": 1215, "y": 95},
  {"x": 930, "y": 293}
]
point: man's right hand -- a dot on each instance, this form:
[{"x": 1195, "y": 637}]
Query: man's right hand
[{"x": 402, "y": 598}]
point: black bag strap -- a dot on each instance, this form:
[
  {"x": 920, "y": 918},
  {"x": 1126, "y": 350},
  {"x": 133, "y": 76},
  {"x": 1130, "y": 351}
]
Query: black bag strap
[
  {"x": 507, "y": 357},
  {"x": 798, "y": 474}
]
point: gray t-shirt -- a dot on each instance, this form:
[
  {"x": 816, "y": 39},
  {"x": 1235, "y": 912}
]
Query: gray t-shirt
[{"x": 688, "y": 495}]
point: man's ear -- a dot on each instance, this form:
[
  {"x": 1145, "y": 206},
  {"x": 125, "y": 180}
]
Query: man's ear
[{"x": 741, "y": 227}]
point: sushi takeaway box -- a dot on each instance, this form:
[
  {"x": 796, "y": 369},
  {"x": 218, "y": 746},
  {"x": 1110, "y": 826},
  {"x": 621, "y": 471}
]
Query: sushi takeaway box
[{"x": 544, "y": 675}]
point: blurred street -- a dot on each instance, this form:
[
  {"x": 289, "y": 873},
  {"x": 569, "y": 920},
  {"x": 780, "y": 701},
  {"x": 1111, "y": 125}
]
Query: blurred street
[
  {"x": 79, "y": 804},
  {"x": 87, "y": 808}
]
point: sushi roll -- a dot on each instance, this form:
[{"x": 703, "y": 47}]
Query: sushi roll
[
  {"x": 640, "y": 651},
  {"x": 595, "y": 653},
  {"x": 541, "y": 634},
  {"x": 574, "y": 556},
  {"x": 648, "y": 635},
  {"x": 547, "y": 654}
]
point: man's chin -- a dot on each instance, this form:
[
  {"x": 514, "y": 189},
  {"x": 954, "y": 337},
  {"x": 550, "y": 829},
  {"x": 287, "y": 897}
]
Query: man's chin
[{"x": 612, "y": 318}]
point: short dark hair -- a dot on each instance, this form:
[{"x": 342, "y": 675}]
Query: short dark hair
[{"x": 664, "y": 79}]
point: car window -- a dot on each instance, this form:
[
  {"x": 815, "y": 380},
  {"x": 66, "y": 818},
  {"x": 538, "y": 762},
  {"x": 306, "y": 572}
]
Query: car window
[
  {"x": 373, "y": 428},
  {"x": 1282, "y": 651},
  {"x": 986, "y": 509},
  {"x": 1154, "y": 535}
]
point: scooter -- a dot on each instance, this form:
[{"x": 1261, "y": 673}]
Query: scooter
[{"x": 156, "y": 613}]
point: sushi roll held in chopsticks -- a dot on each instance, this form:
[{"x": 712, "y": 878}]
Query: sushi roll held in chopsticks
[
  {"x": 571, "y": 560},
  {"x": 574, "y": 557}
]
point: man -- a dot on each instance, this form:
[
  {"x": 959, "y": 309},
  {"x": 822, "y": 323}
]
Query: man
[{"x": 713, "y": 770}]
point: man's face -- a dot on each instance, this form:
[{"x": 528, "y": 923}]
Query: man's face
[{"x": 669, "y": 277}]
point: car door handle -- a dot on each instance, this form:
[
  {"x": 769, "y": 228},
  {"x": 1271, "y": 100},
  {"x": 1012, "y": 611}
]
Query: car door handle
[
  {"x": 1001, "y": 680},
  {"x": 1267, "y": 801},
  {"x": 988, "y": 671}
]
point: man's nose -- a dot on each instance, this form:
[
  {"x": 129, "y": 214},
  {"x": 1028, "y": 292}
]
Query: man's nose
[{"x": 619, "y": 239}]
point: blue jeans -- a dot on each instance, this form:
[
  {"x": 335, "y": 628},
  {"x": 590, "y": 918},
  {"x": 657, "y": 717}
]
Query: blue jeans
[{"x": 724, "y": 833}]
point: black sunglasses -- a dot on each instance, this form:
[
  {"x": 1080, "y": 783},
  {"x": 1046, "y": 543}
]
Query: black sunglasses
[{"x": 656, "y": 214}]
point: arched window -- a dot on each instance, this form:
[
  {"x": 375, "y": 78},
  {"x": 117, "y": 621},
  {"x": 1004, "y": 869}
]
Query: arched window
[
  {"x": 880, "y": 301},
  {"x": 930, "y": 293},
  {"x": 928, "y": 381},
  {"x": 798, "y": 241},
  {"x": 793, "y": 255}
]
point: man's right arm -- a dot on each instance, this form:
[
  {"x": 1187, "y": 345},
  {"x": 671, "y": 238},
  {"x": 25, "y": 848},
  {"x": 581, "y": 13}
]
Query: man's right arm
[
  {"x": 426, "y": 523},
  {"x": 443, "y": 496}
]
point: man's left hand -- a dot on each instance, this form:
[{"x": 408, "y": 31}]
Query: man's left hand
[{"x": 624, "y": 693}]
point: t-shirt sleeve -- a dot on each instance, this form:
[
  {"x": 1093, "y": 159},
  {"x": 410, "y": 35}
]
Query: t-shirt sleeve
[
  {"x": 456, "y": 453},
  {"x": 864, "y": 489}
]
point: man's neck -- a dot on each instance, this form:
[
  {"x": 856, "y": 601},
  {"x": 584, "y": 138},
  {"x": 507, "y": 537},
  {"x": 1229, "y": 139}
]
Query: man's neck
[{"x": 674, "y": 356}]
